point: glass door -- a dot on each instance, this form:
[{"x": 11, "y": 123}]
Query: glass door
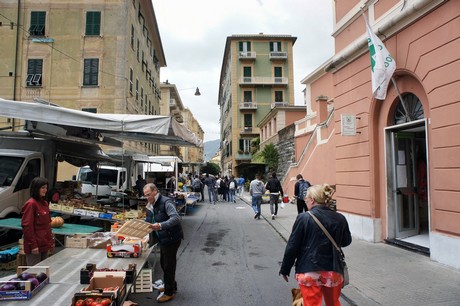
[{"x": 404, "y": 189}]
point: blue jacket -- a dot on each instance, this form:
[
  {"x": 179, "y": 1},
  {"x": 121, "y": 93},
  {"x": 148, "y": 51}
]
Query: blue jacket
[{"x": 309, "y": 248}]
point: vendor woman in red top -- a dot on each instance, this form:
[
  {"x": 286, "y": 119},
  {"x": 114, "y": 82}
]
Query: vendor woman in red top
[{"x": 36, "y": 223}]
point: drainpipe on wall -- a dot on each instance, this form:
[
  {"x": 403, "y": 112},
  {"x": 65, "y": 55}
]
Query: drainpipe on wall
[{"x": 16, "y": 59}]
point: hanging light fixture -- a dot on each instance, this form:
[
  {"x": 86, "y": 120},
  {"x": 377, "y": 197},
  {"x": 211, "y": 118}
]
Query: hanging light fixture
[{"x": 197, "y": 92}]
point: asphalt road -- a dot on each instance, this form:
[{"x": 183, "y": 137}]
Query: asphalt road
[{"x": 227, "y": 258}]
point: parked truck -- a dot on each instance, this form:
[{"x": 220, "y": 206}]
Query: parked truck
[
  {"x": 102, "y": 181},
  {"x": 22, "y": 159}
]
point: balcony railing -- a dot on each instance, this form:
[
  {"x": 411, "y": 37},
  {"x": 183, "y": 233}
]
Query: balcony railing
[
  {"x": 277, "y": 55},
  {"x": 264, "y": 80},
  {"x": 279, "y": 104},
  {"x": 248, "y": 130},
  {"x": 247, "y": 55},
  {"x": 248, "y": 105}
]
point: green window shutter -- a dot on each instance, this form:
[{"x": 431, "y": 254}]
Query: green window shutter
[
  {"x": 93, "y": 23},
  {"x": 91, "y": 71},
  {"x": 241, "y": 146},
  {"x": 271, "y": 46},
  {"x": 247, "y": 71},
  {"x": 241, "y": 46},
  {"x": 37, "y": 23}
]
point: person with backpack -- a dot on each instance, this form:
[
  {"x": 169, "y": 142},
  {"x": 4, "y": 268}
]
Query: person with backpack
[
  {"x": 274, "y": 186},
  {"x": 231, "y": 190},
  {"x": 197, "y": 184},
  {"x": 300, "y": 190}
]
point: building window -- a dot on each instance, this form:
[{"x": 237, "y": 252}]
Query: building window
[
  {"x": 138, "y": 50},
  {"x": 247, "y": 121},
  {"x": 247, "y": 96},
  {"x": 247, "y": 74},
  {"x": 137, "y": 90},
  {"x": 91, "y": 71},
  {"x": 278, "y": 96},
  {"x": 245, "y": 46},
  {"x": 142, "y": 98},
  {"x": 34, "y": 72},
  {"x": 37, "y": 23},
  {"x": 278, "y": 71},
  {"x": 131, "y": 76},
  {"x": 245, "y": 145},
  {"x": 93, "y": 23},
  {"x": 132, "y": 37},
  {"x": 275, "y": 46}
]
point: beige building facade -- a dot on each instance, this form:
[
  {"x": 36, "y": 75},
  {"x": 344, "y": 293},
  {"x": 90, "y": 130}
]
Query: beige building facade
[
  {"x": 396, "y": 178},
  {"x": 257, "y": 75}
]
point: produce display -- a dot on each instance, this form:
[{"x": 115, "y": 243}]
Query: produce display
[
  {"x": 93, "y": 302},
  {"x": 57, "y": 222},
  {"x": 19, "y": 283}
]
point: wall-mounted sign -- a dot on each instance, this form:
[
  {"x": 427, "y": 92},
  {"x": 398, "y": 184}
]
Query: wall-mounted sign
[{"x": 348, "y": 125}]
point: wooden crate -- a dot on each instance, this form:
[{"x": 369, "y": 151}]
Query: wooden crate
[
  {"x": 11, "y": 265},
  {"x": 144, "y": 281}
]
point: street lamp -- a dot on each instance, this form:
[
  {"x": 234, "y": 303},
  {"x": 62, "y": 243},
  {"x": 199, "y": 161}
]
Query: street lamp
[{"x": 197, "y": 90}]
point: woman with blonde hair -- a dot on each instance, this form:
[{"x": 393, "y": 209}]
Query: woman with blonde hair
[{"x": 319, "y": 272}]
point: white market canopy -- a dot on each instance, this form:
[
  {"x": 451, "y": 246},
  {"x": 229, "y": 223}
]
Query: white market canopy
[{"x": 156, "y": 129}]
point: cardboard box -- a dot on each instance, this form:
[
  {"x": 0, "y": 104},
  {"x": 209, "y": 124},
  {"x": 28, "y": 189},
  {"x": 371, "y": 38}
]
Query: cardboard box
[
  {"x": 100, "y": 240},
  {"x": 124, "y": 250},
  {"x": 27, "y": 293},
  {"x": 55, "y": 206},
  {"x": 117, "y": 283},
  {"x": 94, "y": 295},
  {"x": 77, "y": 241},
  {"x": 67, "y": 209},
  {"x": 135, "y": 228},
  {"x": 90, "y": 270},
  {"x": 133, "y": 214}
]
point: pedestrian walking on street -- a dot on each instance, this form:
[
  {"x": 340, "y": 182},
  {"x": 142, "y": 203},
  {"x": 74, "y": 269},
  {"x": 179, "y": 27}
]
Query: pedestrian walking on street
[
  {"x": 317, "y": 262},
  {"x": 232, "y": 190},
  {"x": 36, "y": 223},
  {"x": 210, "y": 182},
  {"x": 161, "y": 212},
  {"x": 256, "y": 190},
  {"x": 300, "y": 189},
  {"x": 274, "y": 186}
]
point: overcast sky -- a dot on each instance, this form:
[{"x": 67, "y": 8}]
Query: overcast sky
[{"x": 193, "y": 34}]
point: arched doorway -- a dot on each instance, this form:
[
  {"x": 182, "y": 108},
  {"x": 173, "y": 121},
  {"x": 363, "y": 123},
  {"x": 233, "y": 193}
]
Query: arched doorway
[{"x": 407, "y": 183}]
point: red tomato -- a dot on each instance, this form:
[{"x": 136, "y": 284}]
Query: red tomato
[
  {"x": 106, "y": 302},
  {"x": 80, "y": 303},
  {"x": 89, "y": 301},
  {"x": 95, "y": 303}
]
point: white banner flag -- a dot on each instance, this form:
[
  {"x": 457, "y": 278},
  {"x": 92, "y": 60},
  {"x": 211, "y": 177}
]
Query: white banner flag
[{"x": 382, "y": 64}]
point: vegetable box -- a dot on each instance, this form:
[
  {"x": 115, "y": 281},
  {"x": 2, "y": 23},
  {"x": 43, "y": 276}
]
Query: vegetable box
[{"x": 29, "y": 281}]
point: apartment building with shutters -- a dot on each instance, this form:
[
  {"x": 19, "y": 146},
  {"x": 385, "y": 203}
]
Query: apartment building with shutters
[{"x": 256, "y": 75}]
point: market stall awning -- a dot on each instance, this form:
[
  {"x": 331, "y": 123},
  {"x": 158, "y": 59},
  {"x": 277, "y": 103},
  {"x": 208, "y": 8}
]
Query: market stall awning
[{"x": 147, "y": 128}]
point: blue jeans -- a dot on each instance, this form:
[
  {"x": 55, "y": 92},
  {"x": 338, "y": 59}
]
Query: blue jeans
[
  {"x": 231, "y": 195},
  {"x": 212, "y": 195},
  {"x": 274, "y": 199},
  {"x": 256, "y": 201}
]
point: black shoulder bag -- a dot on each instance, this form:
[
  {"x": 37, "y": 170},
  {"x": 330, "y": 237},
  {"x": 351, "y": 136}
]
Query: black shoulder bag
[{"x": 346, "y": 278}]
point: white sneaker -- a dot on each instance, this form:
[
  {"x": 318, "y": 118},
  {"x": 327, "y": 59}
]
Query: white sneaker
[{"x": 273, "y": 217}]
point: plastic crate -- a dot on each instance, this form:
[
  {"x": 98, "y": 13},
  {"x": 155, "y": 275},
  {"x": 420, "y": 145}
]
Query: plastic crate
[{"x": 144, "y": 281}]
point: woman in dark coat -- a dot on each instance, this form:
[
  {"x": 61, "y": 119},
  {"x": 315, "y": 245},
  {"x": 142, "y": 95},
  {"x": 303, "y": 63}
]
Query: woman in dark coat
[{"x": 317, "y": 263}]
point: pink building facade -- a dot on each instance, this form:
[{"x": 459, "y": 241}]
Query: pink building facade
[{"x": 397, "y": 178}]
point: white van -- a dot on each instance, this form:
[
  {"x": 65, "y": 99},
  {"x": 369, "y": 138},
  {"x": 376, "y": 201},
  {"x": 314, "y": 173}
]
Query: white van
[{"x": 110, "y": 179}]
